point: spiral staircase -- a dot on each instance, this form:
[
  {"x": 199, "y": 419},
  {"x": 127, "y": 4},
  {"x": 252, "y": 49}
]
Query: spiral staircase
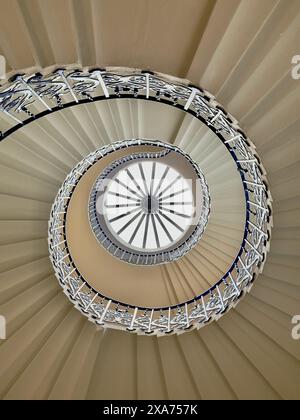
[{"x": 239, "y": 52}]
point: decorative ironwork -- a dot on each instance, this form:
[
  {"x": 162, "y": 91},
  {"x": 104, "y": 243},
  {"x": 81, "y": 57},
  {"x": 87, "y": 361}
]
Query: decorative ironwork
[
  {"x": 30, "y": 97},
  {"x": 171, "y": 240}
]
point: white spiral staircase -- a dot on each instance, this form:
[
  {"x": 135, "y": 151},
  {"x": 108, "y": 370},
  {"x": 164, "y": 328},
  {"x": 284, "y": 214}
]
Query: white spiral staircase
[{"x": 241, "y": 53}]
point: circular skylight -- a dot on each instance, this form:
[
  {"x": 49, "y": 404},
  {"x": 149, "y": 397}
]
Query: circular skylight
[{"x": 149, "y": 207}]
